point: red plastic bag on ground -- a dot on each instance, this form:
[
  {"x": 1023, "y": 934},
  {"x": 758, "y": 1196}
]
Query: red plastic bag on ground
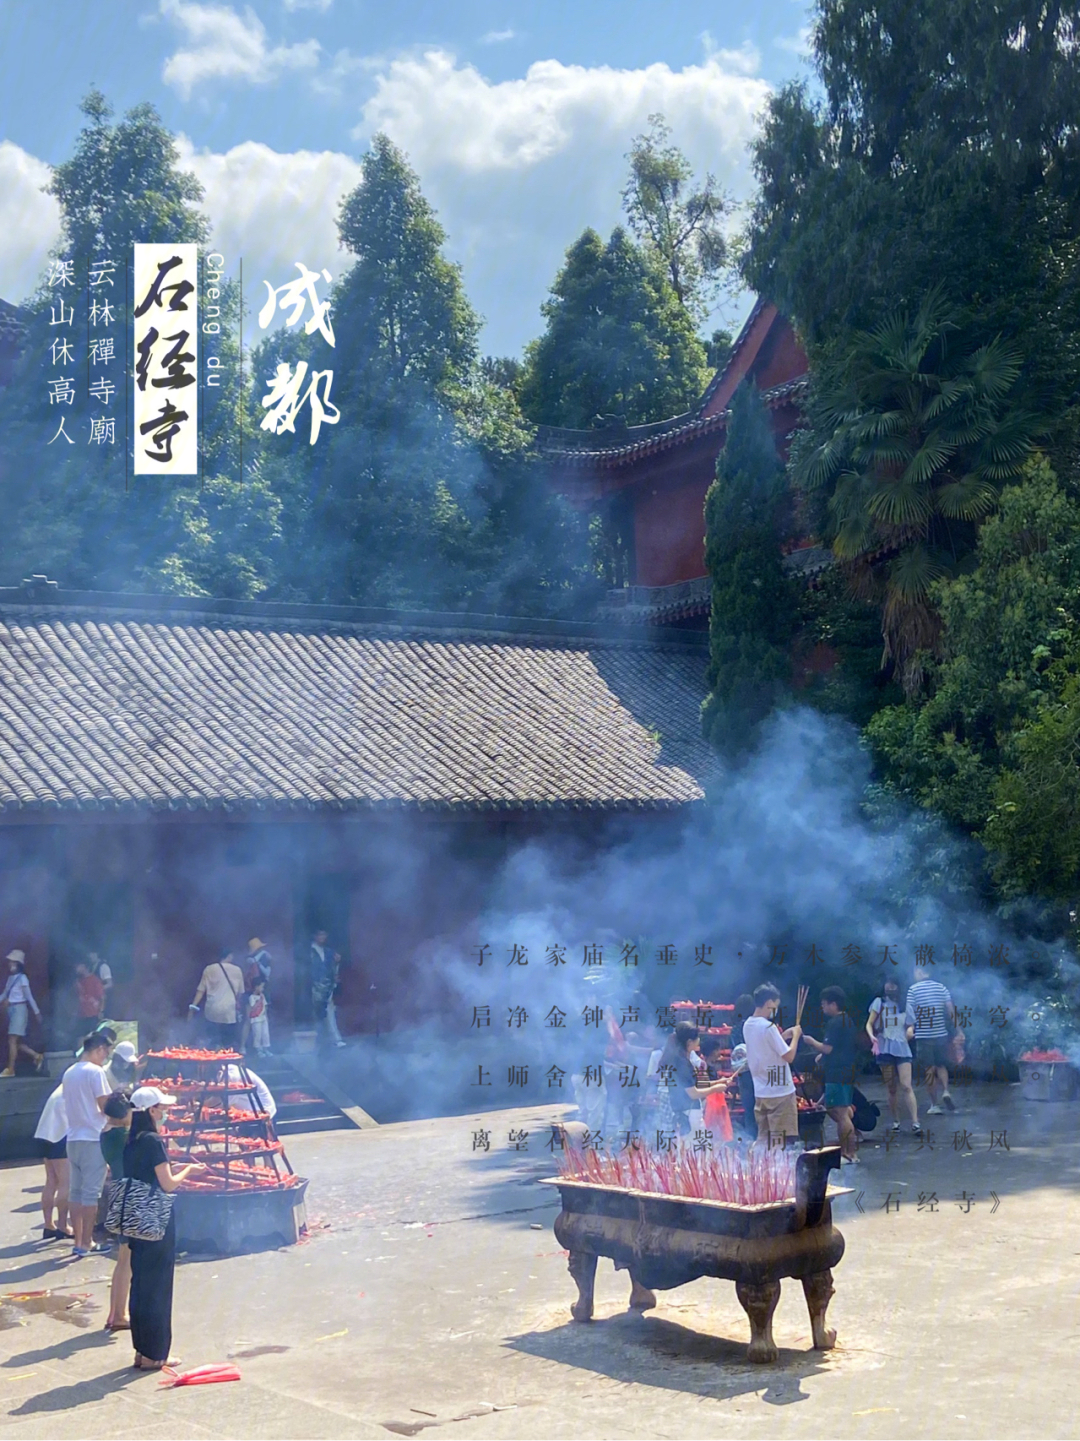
[{"x": 201, "y": 1376}]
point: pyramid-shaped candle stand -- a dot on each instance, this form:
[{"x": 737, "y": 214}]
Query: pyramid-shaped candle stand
[{"x": 249, "y": 1198}]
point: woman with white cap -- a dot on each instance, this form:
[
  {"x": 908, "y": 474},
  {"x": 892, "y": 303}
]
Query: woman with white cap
[
  {"x": 152, "y": 1262},
  {"x": 19, "y": 999}
]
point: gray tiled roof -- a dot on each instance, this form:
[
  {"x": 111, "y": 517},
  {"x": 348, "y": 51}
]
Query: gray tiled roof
[{"x": 115, "y": 709}]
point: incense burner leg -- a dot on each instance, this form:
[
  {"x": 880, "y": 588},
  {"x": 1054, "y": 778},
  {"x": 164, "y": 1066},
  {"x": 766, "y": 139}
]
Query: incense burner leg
[
  {"x": 759, "y": 1303},
  {"x": 641, "y": 1298},
  {"x": 819, "y": 1291},
  {"x": 582, "y": 1265}
]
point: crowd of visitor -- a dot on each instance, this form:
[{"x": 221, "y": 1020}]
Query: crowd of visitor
[
  {"x": 689, "y": 1091},
  {"x": 100, "y": 1127},
  {"x": 902, "y": 1031},
  {"x": 231, "y": 1005}
]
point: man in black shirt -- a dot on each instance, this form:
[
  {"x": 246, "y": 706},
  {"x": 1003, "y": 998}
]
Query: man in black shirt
[{"x": 838, "y": 1065}]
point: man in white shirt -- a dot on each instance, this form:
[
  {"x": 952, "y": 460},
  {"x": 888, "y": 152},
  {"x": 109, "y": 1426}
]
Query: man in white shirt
[
  {"x": 243, "y": 1100},
  {"x": 769, "y": 1053},
  {"x": 85, "y": 1090}
]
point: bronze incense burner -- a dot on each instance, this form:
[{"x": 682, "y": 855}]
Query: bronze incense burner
[{"x": 665, "y": 1241}]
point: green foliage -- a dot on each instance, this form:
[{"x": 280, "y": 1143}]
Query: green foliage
[
  {"x": 618, "y": 343},
  {"x": 718, "y": 350},
  {"x": 848, "y": 630},
  {"x": 680, "y": 227},
  {"x": 1033, "y": 831},
  {"x": 915, "y": 431},
  {"x": 943, "y": 146},
  {"x": 227, "y": 539},
  {"x": 753, "y": 603},
  {"x": 124, "y": 185},
  {"x": 999, "y": 707}
]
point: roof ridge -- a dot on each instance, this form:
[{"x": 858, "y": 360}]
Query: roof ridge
[
  {"x": 698, "y": 424},
  {"x": 40, "y": 603}
]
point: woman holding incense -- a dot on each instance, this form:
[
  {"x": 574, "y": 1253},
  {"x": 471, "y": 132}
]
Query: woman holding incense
[
  {"x": 152, "y": 1262},
  {"x": 678, "y": 1091}
]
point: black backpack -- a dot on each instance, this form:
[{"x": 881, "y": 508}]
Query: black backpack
[{"x": 866, "y": 1112}]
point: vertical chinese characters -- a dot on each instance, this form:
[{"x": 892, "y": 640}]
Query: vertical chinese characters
[
  {"x": 61, "y": 387},
  {"x": 287, "y": 396},
  {"x": 166, "y": 349},
  {"x": 101, "y": 347}
]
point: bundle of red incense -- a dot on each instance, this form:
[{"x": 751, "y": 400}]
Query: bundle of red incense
[{"x": 757, "y": 1178}]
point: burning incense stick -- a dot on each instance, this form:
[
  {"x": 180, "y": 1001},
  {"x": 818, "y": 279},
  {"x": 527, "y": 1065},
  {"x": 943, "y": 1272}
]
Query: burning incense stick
[
  {"x": 804, "y": 991},
  {"x": 760, "y": 1178}
]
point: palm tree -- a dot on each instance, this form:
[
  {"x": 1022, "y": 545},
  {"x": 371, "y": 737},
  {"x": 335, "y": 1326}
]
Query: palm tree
[{"x": 915, "y": 434}]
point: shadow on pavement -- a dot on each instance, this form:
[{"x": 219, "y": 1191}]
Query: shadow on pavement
[
  {"x": 24, "y": 1248},
  {"x": 66, "y": 1398},
  {"x": 61, "y": 1350},
  {"x": 49, "y": 1265},
  {"x": 666, "y": 1354}
]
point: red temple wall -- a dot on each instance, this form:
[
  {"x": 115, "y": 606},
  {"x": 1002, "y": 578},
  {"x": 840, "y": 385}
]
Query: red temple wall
[
  {"x": 669, "y": 531},
  {"x": 669, "y": 505}
]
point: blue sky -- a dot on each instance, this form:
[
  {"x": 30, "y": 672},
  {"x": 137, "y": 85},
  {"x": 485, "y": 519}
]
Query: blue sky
[{"x": 517, "y": 117}]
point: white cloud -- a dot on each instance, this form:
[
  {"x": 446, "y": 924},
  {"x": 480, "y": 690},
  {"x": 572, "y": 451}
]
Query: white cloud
[
  {"x": 29, "y": 221},
  {"x": 223, "y": 45},
  {"x": 795, "y": 44},
  {"x": 448, "y": 114},
  {"x": 273, "y": 208},
  {"x": 307, "y": 4},
  {"x": 498, "y": 37},
  {"x": 518, "y": 168},
  {"x": 344, "y": 70}
]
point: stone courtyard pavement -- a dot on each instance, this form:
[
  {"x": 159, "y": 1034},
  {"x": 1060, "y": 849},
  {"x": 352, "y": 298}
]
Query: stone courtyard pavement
[{"x": 432, "y": 1299}]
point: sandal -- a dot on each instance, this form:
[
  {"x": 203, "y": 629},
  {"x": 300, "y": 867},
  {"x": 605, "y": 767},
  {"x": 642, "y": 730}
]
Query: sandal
[{"x": 144, "y": 1365}]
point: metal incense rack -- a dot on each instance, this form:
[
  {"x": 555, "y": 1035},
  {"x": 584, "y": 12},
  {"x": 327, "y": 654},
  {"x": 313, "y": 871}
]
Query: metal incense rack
[{"x": 249, "y": 1197}]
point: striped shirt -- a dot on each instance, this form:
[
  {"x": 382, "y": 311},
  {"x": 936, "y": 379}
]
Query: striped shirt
[{"x": 926, "y": 1010}]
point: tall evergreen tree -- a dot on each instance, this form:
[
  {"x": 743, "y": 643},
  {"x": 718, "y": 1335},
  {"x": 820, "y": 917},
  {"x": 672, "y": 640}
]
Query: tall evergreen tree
[
  {"x": 752, "y": 625},
  {"x": 915, "y": 432},
  {"x": 617, "y": 343},
  {"x": 424, "y": 493},
  {"x": 405, "y": 315}
]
